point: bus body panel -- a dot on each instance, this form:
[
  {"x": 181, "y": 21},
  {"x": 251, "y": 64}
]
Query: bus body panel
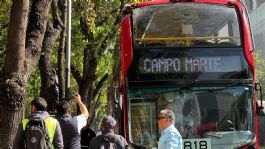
[{"x": 127, "y": 54}]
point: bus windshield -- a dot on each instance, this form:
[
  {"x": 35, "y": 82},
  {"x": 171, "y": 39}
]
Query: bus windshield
[
  {"x": 186, "y": 25},
  {"x": 216, "y": 117}
]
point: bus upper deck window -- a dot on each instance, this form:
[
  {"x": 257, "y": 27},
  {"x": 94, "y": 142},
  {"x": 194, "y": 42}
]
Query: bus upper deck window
[{"x": 186, "y": 25}]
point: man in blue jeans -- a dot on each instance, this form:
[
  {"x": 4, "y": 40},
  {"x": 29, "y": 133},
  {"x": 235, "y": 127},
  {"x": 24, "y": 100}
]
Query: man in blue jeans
[{"x": 170, "y": 136}]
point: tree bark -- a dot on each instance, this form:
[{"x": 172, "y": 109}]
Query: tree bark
[
  {"x": 35, "y": 33},
  {"x": 16, "y": 37},
  {"x": 48, "y": 75},
  {"x": 12, "y": 92},
  {"x": 61, "y": 51},
  {"x": 21, "y": 58},
  {"x": 11, "y": 108}
]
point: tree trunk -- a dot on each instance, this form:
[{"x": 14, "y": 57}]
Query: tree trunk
[
  {"x": 8, "y": 130},
  {"x": 11, "y": 108},
  {"x": 35, "y": 33},
  {"x": 12, "y": 91},
  {"x": 49, "y": 79},
  {"x": 20, "y": 61},
  {"x": 61, "y": 51}
]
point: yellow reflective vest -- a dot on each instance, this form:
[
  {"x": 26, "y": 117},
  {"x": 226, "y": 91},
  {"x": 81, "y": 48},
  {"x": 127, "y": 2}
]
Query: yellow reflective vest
[{"x": 50, "y": 124}]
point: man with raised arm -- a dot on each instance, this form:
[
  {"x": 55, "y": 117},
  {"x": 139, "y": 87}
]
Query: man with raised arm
[{"x": 71, "y": 126}]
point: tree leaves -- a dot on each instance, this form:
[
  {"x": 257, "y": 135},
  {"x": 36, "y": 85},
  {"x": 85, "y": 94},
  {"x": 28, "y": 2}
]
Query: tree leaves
[{"x": 260, "y": 67}]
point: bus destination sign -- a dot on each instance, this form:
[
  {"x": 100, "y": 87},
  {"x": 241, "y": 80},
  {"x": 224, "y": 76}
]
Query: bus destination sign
[{"x": 189, "y": 64}]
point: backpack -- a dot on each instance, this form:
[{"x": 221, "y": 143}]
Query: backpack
[
  {"x": 37, "y": 136},
  {"x": 109, "y": 142}
]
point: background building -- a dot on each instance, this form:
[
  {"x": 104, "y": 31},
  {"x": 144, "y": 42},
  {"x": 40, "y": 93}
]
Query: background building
[{"x": 256, "y": 10}]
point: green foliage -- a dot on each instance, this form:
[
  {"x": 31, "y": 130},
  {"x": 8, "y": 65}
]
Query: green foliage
[
  {"x": 78, "y": 41},
  {"x": 4, "y": 19},
  {"x": 260, "y": 67},
  {"x": 99, "y": 17},
  {"x": 105, "y": 64},
  {"x": 32, "y": 88},
  {"x": 33, "y": 84},
  {"x": 3, "y": 38}
]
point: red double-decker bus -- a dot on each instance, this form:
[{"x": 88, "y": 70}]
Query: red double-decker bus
[{"x": 196, "y": 58}]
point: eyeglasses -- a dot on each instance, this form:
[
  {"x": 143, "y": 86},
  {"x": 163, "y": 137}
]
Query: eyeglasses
[{"x": 160, "y": 118}]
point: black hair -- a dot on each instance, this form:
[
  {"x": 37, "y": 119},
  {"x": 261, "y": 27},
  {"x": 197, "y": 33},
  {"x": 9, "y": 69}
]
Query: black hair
[
  {"x": 39, "y": 103},
  {"x": 63, "y": 107}
]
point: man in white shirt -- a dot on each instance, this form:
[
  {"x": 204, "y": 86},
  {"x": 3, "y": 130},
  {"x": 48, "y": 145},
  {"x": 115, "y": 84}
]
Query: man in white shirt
[{"x": 71, "y": 126}]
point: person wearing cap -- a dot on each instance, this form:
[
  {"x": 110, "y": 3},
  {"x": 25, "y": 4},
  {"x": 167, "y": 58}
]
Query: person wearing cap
[
  {"x": 170, "y": 137},
  {"x": 108, "y": 140},
  {"x": 71, "y": 126},
  {"x": 38, "y": 113}
]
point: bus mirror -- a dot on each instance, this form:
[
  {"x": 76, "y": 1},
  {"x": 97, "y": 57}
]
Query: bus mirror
[
  {"x": 259, "y": 106},
  {"x": 116, "y": 93},
  {"x": 120, "y": 101},
  {"x": 260, "y": 109},
  {"x": 257, "y": 87},
  {"x": 118, "y": 96}
]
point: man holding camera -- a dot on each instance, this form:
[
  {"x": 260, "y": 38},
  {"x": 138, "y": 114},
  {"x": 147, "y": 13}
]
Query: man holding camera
[{"x": 71, "y": 126}]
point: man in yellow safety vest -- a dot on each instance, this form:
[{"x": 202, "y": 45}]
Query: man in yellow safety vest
[{"x": 38, "y": 115}]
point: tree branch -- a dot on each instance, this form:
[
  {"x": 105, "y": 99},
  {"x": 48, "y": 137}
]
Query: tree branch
[
  {"x": 48, "y": 75},
  {"x": 99, "y": 85},
  {"x": 94, "y": 111},
  {"x": 114, "y": 30},
  {"x": 57, "y": 22},
  {"x": 76, "y": 73},
  {"x": 35, "y": 33}
]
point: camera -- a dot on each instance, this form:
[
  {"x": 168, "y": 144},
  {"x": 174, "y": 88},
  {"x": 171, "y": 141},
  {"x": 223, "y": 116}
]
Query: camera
[{"x": 74, "y": 95}]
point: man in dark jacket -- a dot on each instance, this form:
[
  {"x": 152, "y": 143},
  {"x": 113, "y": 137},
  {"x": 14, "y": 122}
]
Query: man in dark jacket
[
  {"x": 38, "y": 113},
  {"x": 108, "y": 140},
  {"x": 86, "y": 136},
  {"x": 71, "y": 126}
]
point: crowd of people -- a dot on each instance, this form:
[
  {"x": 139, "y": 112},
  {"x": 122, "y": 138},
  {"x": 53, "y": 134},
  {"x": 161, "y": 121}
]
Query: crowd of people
[{"x": 42, "y": 131}]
